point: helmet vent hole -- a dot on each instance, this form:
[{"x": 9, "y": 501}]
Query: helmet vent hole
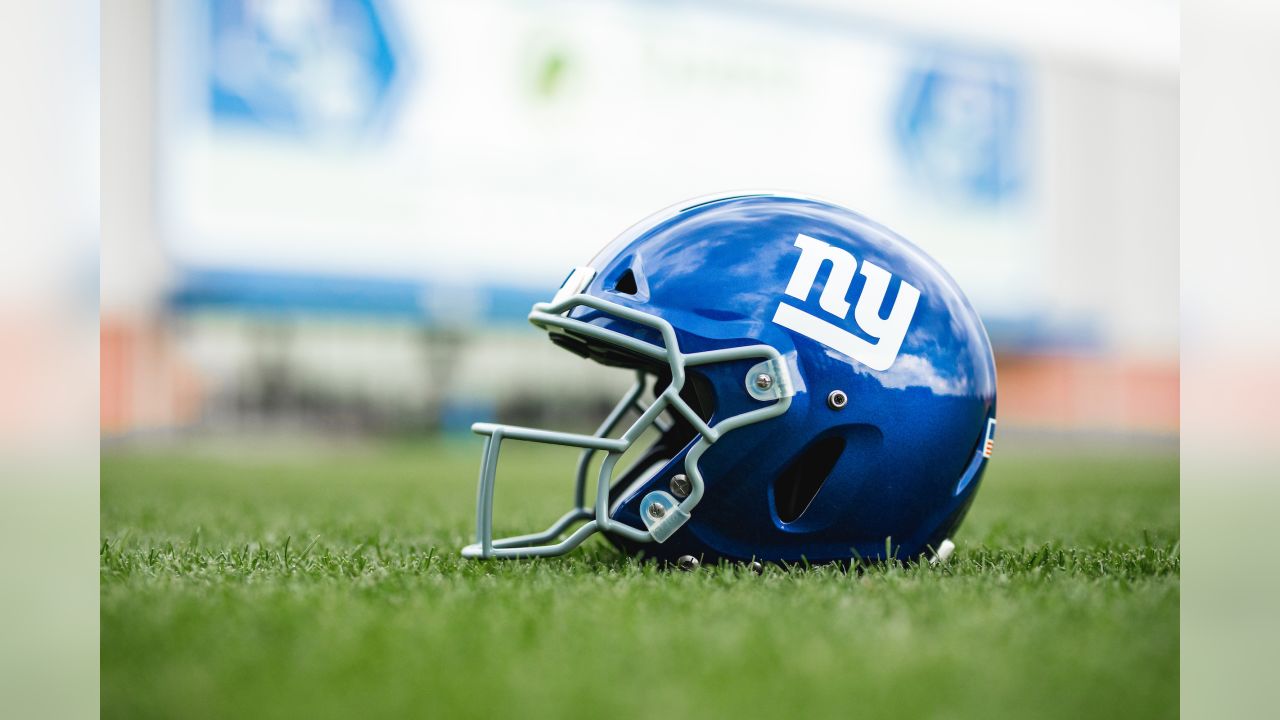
[
  {"x": 626, "y": 283},
  {"x": 799, "y": 484}
]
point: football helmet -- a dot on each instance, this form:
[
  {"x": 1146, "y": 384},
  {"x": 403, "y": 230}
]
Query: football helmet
[{"x": 819, "y": 388}]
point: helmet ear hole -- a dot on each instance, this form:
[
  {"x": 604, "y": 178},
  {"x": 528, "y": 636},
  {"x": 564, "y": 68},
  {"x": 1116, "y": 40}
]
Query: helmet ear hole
[
  {"x": 797, "y": 486},
  {"x": 626, "y": 283}
]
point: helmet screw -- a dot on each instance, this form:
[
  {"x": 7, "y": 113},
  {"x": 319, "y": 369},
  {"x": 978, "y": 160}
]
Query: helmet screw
[
  {"x": 680, "y": 486},
  {"x": 837, "y": 399},
  {"x": 756, "y": 567},
  {"x": 657, "y": 512},
  {"x": 764, "y": 381},
  {"x": 687, "y": 563}
]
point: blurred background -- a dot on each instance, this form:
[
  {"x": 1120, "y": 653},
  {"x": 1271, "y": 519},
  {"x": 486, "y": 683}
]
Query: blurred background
[{"x": 332, "y": 216}]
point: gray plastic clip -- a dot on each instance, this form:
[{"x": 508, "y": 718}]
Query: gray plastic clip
[
  {"x": 778, "y": 387},
  {"x": 662, "y": 515}
]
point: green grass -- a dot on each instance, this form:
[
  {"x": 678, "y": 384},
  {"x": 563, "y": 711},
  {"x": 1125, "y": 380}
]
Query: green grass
[{"x": 327, "y": 584}]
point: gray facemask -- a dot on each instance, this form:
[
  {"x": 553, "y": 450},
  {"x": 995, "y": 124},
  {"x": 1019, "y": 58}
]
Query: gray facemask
[{"x": 662, "y": 513}]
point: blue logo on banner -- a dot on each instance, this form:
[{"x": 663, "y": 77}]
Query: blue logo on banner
[
  {"x": 310, "y": 69},
  {"x": 959, "y": 127}
]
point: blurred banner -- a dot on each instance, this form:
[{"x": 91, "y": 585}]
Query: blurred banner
[
  {"x": 427, "y": 140},
  {"x": 353, "y": 199}
]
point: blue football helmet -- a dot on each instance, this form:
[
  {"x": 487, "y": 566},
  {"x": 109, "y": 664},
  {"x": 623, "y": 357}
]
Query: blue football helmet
[{"x": 821, "y": 390}]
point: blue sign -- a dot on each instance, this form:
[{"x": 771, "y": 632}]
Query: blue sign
[
  {"x": 960, "y": 127},
  {"x": 316, "y": 69}
]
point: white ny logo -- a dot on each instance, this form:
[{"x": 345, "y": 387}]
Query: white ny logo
[{"x": 890, "y": 331}]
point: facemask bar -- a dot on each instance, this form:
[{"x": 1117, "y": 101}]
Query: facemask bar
[{"x": 672, "y": 514}]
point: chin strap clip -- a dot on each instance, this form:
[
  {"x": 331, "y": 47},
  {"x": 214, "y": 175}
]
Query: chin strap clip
[
  {"x": 662, "y": 515},
  {"x": 770, "y": 380},
  {"x": 943, "y": 552}
]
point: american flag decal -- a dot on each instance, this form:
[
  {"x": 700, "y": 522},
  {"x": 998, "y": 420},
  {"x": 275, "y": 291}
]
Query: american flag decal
[{"x": 989, "y": 442}]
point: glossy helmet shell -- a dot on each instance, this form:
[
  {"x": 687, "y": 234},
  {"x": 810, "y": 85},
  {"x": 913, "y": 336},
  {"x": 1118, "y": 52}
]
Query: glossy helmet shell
[{"x": 892, "y": 472}]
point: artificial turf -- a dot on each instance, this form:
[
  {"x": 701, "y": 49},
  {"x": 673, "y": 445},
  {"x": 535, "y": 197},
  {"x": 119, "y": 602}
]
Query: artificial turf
[{"x": 325, "y": 582}]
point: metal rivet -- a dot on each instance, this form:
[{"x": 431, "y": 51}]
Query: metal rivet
[
  {"x": 837, "y": 399},
  {"x": 756, "y": 567},
  {"x": 687, "y": 563},
  {"x": 657, "y": 512},
  {"x": 680, "y": 486},
  {"x": 764, "y": 381}
]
